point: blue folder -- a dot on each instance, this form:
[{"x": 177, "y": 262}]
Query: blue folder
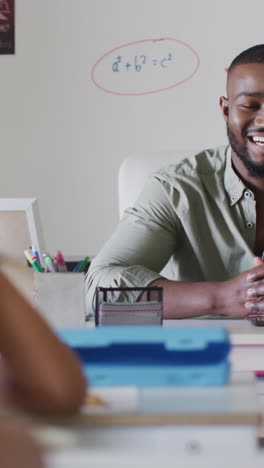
[{"x": 151, "y": 356}]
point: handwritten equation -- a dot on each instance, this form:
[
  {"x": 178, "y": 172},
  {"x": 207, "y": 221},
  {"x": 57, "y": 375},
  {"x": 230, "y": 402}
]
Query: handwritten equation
[
  {"x": 145, "y": 67},
  {"x": 139, "y": 63}
]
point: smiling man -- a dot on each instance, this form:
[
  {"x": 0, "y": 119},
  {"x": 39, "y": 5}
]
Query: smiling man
[{"x": 205, "y": 215}]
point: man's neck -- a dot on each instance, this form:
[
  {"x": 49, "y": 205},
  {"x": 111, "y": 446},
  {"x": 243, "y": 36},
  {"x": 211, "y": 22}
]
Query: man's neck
[{"x": 256, "y": 184}]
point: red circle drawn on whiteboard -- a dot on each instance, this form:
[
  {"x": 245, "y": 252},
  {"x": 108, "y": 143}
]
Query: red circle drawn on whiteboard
[{"x": 146, "y": 92}]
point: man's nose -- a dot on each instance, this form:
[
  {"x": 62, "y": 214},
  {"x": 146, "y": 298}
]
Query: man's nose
[{"x": 259, "y": 119}]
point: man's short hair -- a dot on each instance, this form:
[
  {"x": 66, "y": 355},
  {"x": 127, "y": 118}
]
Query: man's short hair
[{"x": 254, "y": 54}]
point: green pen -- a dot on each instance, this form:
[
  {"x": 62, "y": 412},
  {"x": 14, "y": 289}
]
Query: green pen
[
  {"x": 37, "y": 267},
  {"x": 82, "y": 266}
]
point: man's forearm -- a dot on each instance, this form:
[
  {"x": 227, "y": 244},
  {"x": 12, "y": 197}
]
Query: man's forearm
[{"x": 186, "y": 299}]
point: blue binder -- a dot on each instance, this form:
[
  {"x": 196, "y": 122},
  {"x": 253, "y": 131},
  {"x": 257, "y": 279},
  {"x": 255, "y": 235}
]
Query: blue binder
[{"x": 151, "y": 356}]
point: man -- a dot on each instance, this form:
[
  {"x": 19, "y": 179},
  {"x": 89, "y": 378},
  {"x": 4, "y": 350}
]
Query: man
[{"x": 205, "y": 214}]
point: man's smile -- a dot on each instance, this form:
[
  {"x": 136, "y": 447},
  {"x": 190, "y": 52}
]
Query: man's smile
[{"x": 257, "y": 139}]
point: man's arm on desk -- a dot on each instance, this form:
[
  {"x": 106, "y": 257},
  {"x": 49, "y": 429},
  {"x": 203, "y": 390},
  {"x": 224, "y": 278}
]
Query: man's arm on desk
[
  {"x": 237, "y": 298},
  {"x": 234, "y": 298},
  {"x": 146, "y": 238}
]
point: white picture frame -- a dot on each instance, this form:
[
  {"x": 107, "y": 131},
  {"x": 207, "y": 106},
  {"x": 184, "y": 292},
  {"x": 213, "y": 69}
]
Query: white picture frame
[{"x": 20, "y": 227}]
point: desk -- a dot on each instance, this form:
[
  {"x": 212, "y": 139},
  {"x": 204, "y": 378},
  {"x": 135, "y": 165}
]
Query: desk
[
  {"x": 195, "y": 427},
  {"x": 85, "y": 458},
  {"x": 247, "y": 352},
  {"x": 172, "y": 424}
]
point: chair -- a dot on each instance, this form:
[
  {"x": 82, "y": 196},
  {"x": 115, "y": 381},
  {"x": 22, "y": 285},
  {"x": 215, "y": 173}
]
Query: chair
[
  {"x": 133, "y": 173},
  {"x": 136, "y": 168}
]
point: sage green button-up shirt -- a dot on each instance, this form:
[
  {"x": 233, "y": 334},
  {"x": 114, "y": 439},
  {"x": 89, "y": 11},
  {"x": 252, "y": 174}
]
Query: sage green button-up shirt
[{"x": 197, "y": 214}]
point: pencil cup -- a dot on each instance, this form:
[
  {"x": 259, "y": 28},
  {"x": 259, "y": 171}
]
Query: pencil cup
[{"x": 59, "y": 298}]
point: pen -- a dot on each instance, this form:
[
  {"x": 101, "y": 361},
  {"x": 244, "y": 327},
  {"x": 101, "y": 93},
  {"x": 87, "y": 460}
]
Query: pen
[
  {"x": 35, "y": 264},
  {"x": 77, "y": 266},
  {"x": 28, "y": 255},
  {"x": 81, "y": 266},
  {"x": 33, "y": 261},
  {"x": 60, "y": 261},
  {"x": 35, "y": 253},
  {"x": 49, "y": 263},
  {"x": 55, "y": 264}
]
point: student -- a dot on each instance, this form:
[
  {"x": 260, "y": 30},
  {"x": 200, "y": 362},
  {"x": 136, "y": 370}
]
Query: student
[
  {"x": 204, "y": 214},
  {"x": 17, "y": 448},
  {"x": 37, "y": 373}
]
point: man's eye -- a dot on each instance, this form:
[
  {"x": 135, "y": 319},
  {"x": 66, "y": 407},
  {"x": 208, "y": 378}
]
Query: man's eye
[{"x": 252, "y": 106}]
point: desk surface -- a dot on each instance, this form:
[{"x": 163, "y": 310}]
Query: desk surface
[
  {"x": 232, "y": 404},
  {"x": 192, "y": 406},
  {"x": 219, "y": 411},
  {"x": 115, "y": 459},
  {"x": 209, "y": 418}
]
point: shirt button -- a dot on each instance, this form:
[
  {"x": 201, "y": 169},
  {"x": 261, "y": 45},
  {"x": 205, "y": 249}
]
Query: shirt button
[
  {"x": 247, "y": 194},
  {"x": 250, "y": 225},
  {"x": 233, "y": 198}
]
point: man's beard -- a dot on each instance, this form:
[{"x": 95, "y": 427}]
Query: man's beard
[{"x": 254, "y": 169}]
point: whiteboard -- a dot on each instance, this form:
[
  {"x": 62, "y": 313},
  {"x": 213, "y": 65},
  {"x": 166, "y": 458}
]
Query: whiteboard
[{"x": 68, "y": 117}]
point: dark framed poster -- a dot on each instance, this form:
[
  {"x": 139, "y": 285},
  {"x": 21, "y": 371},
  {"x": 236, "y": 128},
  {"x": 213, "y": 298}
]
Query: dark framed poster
[{"x": 7, "y": 27}]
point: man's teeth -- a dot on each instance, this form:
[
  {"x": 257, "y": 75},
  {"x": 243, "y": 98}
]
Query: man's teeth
[{"x": 259, "y": 140}]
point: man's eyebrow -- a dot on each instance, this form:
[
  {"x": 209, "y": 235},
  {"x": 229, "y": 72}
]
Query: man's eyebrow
[{"x": 256, "y": 94}]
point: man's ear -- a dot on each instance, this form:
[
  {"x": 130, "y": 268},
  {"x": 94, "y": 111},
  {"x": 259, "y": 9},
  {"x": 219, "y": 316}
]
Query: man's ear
[{"x": 224, "y": 104}]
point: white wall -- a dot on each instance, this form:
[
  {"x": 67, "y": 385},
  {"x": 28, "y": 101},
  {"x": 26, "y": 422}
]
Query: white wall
[{"x": 63, "y": 138}]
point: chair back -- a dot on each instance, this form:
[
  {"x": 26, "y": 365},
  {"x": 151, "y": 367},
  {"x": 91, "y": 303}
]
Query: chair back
[{"x": 137, "y": 167}]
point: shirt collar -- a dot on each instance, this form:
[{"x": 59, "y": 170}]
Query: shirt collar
[{"x": 233, "y": 184}]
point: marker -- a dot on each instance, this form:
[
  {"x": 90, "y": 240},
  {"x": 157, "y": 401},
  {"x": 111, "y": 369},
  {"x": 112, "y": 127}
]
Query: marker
[
  {"x": 33, "y": 261},
  {"x": 81, "y": 266},
  {"x": 28, "y": 255},
  {"x": 35, "y": 253},
  {"x": 49, "y": 263},
  {"x": 35, "y": 264},
  {"x": 55, "y": 264},
  {"x": 77, "y": 266},
  {"x": 60, "y": 261}
]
